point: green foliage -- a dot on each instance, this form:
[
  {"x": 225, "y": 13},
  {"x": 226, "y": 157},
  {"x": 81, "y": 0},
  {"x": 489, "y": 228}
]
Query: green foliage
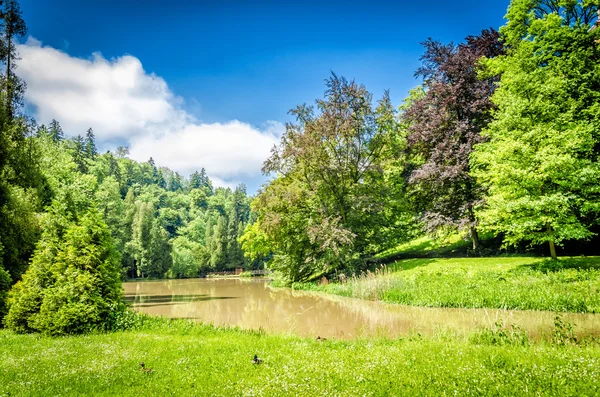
[
  {"x": 330, "y": 206},
  {"x": 73, "y": 283},
  {"x": 159, "y": 252},
  {"x": 5, "y": 283},
  {"x": 540, "y": 163},
  {"x": 499, "y": 335}
]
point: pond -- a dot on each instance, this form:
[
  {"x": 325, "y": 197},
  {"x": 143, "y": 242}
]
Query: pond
[{"x": 252, "y": 304}]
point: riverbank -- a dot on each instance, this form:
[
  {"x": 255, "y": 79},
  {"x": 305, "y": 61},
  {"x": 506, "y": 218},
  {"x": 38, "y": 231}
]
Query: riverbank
[
  {"x": 521, "y": 283},
  {"x": 188, "y": 359}
]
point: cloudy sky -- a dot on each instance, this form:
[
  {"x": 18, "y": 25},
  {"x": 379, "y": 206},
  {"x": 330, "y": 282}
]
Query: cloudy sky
[{"x": 208, "y": 84}]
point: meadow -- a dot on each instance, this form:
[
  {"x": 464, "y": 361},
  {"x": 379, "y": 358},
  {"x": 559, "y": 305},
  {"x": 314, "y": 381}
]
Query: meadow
[
  {"x": 191, "y": 359},
  {"x": 522, "y": 283}
]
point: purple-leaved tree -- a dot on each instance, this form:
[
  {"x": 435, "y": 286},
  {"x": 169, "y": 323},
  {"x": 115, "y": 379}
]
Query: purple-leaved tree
[{"x": 443, "y": 126}]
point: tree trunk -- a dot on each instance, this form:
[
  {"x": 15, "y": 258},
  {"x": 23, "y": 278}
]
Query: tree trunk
[
  {"x": 552, "y": 249},
  {"x": 551, "y": 242},
  {"x": 475, "y": 238}
]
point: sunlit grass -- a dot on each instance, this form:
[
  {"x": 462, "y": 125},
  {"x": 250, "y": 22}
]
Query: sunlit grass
[
  {"x": 189, "y": 359},
  {"x": 525, "y": 283}
]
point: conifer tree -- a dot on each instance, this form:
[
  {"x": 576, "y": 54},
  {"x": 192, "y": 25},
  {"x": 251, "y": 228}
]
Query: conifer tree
[
  {"x": 90, "y": 144},
  {"x": 12, "y": 27},
  {"x": 56, "y": 132}
]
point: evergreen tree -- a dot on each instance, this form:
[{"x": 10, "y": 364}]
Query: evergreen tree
[
  {"x": 79, "y": 154},
  {"x": 13, "y": 27},
  {"x": 56, "y": 132},
  {"x": 90, "y": 144},
  {"x": 73, "y": 284}
]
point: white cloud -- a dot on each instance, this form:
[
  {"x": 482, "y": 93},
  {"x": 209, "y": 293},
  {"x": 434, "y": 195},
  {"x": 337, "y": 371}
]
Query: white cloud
[
  {"x": 121, "y": 101},
  {"x": 233, "y": 149}
]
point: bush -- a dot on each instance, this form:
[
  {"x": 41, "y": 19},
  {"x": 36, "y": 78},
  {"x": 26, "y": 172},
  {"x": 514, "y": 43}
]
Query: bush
[{"x": 73, "y": 284}]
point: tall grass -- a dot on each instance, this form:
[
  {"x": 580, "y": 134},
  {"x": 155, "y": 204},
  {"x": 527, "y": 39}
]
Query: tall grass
[{"x": 568, "y": 285}]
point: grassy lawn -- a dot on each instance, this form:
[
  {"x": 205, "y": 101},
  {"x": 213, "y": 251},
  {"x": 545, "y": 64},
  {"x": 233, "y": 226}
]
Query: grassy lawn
[
  {"x": 526, "y": 283},
  {"x": 198, "y": 360}
]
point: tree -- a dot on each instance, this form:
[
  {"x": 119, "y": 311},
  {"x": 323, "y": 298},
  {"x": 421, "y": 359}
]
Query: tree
[
  {"x": 326, "y": 208},
  {"x": 56, "y": 132},
  {"x": 141, "y": 228},
  {"x": 12, "y": 27},
  {"x": 540, "y": 164},
  {"x": 235, "y": 255},
  {"x": 90, "y": 144},
  {"x": 159, "y": 252},
  {"x": 218, "y": 245},
  {"x": 73, "y": 284},
  {"x": 112, "y": 208},
  {"x": 79, "y": 154},
  {"x": 444, "y": 124}
]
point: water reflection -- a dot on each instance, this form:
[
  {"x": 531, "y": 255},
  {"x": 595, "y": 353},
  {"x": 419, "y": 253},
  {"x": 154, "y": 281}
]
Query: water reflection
[{"x": 252, "y": 304}]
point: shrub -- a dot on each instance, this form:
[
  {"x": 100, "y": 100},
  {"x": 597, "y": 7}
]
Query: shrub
[{"x": 73, "y": 284}]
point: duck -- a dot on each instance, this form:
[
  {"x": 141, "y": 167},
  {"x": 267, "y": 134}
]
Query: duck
[
  {"x": 256, "y": 360},
  {"x": 145, "y": 370},
  {"x": 319, "y": 339}
]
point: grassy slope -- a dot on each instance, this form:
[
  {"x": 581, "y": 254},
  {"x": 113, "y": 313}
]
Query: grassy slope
[
  {"x": 571, "y": 284},
  {"x": 190, "y": 359}
]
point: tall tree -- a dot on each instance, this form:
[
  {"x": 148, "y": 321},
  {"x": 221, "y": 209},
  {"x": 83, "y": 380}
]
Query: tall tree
[
  {"x": 541, "y": 162},
  {"x": 90, "y": 144},
  {"x": 12, "y": 27},
  {"x": 444, "y": 124},
  {"x": 56, "y": 132},
  {"x": 326, "y": 209},
  {"x": 218, "y": 247},
  {"x": 79, "y": 154},
  {"x": 159, "y": 252}
]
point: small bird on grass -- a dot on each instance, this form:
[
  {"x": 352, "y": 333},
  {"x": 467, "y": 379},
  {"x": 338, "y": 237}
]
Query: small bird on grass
[
  {"x": 145, "y": 370},
  {"x": 256, "y": 360},
  {"x": 319, "y": 339}
]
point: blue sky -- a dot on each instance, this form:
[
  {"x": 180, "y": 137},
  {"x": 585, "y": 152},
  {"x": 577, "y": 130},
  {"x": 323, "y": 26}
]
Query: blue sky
[{"x": 253, "y": 61}]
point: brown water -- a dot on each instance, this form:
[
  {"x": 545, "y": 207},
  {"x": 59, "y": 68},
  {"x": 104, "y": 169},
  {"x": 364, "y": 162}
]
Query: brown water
[{"x": 252, "y": 304}]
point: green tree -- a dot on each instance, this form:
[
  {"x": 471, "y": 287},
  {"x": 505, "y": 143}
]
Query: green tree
[
  {"x": 159, "y": 252},
  {"x": 326, "y": 209},
  {"x": 12, "y": 27},
  {"x": 78, "y": 152},
  {"x": 90, "y": 144},
  {"x": 56, "y": 132},
  {"x": 218, "y": 245},
  {"x": 141, "y": 228},
  {"x": 112, "y": 207},
  {"x": 73, "y": 284},
  {"x": 540, "y": 164}
]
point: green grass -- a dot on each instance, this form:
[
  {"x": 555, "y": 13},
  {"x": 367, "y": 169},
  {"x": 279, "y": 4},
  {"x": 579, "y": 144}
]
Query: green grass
[
  {"x": 198, "y": 360},
  {"x": 426, "y": 246},
  {"x": 524, "y": 283}
]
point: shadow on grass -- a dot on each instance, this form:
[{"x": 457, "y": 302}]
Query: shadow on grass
[{"x": 550, "y": 265}]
